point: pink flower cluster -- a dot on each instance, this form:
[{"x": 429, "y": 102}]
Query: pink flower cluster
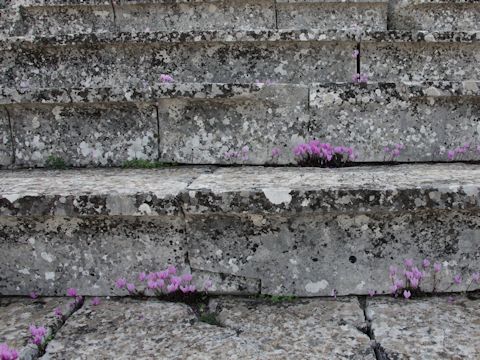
[
  {"x": 461, "y": 150},
  {"x": 394, "y": 151},
  {"x": 359, "y": 78},
  {"x": 38, "y": 334},
  {"x": 7, "y": 353},
  {"x": 315, "y": 153},
  {"x": 166, "y": 79},
  {"x": 163, "y": 282},
  {"x": 241, "y": 154}
]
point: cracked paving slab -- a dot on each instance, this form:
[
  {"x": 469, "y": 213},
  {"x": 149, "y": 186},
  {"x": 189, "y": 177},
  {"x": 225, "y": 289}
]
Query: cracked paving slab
[
  {"x": 17, "y": 314},
  {"x": 126, "y": 329},
  {"x": 433, "y": 328}
]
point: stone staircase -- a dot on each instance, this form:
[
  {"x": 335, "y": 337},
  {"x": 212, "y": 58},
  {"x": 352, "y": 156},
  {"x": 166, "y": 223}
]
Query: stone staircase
[{"x": 81, "y": 83}]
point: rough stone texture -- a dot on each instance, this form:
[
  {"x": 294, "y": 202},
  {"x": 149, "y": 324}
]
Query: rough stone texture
[
  {"x": 195, "y": 131},
  {"x": 428, "y": 118},
  {"x": 6, "y": 155},
  {"x": 321, "y": 14},
  {"x": 421, "y": 56},
  {"x": 215, "y": 56},
  {"x": 146, "y": 330},
  {"x": 84, "y": 135},
  {"x": 226, "y": 284},
  {"x": 207, "y": 15},
  {"x": 433, "y": 328},
  {"x": 449, "y": 15},
  {"x": 51, "y": 255},
  {"x": 18, "y": 314}
]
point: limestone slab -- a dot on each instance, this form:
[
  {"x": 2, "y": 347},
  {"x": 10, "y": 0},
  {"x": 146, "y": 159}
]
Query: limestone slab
[
  {"x": 84, "y": 135},
  {"x": 426, "y": 328},
  {"x": 170, "y": 330},
  {"x": 321, "y": 14},
  {"x": 50, "y": 255},
  {"x": 225, "y": 57},
  {"x": 420, "y": 56},
  {"x": 203, "y": 132},
  {"x": 6, "y": 155},
  {"x": 429, "y": 119},
  {"x": 18, "y": 314},
  {"x": 456, "y": 15}
]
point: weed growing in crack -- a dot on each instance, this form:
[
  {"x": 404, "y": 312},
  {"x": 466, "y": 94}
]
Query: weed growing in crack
[
  {"x": 209, "y": 318},
  {"x": 55, "y": 162},
  {"x": 145, "y": 164},
  {"x": 276, "y": 299}
]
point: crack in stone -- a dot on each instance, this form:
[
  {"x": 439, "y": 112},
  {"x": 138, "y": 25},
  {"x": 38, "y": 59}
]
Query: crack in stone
[
  {"x": 158, "y": 132},
  {"x": 380, "y": 353},
  {"x": 112, "y": 3},
  {"x": 12, "y": 140}
]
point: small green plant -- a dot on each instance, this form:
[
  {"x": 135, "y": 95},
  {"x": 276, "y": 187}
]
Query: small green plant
[
  {"x": 55, "y": 162},
  {"x": 275, "y": 299},
  {"x": 145, "y": 164},
  {"x": 209, "y": 318}
]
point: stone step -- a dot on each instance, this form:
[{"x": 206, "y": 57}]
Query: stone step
[
  {"x": 53, "y": 17},
  {"x": 448, "y": 15},
  {"x": 301, "y": 231},
  {"x": 200, "y": 123}
]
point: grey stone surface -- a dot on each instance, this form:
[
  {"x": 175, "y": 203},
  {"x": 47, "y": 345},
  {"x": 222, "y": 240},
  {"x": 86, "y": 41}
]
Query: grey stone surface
[
  {"x": 225, "y": 284},
  {"x": 84, "y": 135},
  {"x": 6, "y": 155},
  {"x": 202, "y": 132},
  {"x": 433, "y": 328},
  {"x": 320, "y": 14},
  {"x": 428, "y": 118},
  {"x": 18, "y": 314},
  {"x": 170, "y": 331},
  {"x": 196, "y": 15},
  {"x": 421, "y": 56},
  {"x": 210, "y": 56},
  {"x": 435, "y": 15},
  {"x": 50, "y": 255}
]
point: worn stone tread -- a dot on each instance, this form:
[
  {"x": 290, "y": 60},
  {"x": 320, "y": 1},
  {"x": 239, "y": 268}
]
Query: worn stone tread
[
  {"x": 125, "y": 328},
  {"x": 17, "y": 314},
  {"x": 432, "y": 328}
]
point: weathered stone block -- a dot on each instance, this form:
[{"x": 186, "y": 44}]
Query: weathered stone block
[
  {"x": 327, "y": 14},
  {"x": 84, "y": 135},
  {"x": 18, "y": 314},
  {"x": 301, "y": 241},
  {"x": 201, "y": 131},
  {"x": 6, "y": 153},
  {"x": 51, "y": 255},
  {"x": 117, "y": 60},
  {"x": 421, "y": 56},
  {"x": 428, "y": 118},
  {"x": 147, "y": 15},
  {"x": 448, "y": 15},
  {"x": 436, "y": 328}
]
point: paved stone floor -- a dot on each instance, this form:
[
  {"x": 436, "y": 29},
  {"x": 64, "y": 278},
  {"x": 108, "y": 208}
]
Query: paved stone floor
[{"x": 241, "y": 328}]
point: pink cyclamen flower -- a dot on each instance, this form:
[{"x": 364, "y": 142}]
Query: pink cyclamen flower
[
  {"x": 407, "y": 294},
  {"x": 355, "y": 54},
  {"x": 363, "y": 79},
  {"x": 152, "y": 284},
  {"x": 175, "y": 280},
  {"x": 451, "y": 154},
  {"x": 33, "y": 295},
  {"x": 207, "y": 285},
  {"x": 393, "y": 289},
  {"x": 425, "y": 263},
  {"x": 95, "y": 301},
  {"x": 356, "y": 78},
  {"x": 476, "y": 277},
  {"x": 142, "y": 276},
  {"x": 333, "y": 293},
  {"x": 437, "y": 267},
  {"x": 371, "y": 292},
  {"x": 72, "y": 292},
  {"x": 172, "y": 288},
  {"x": 457, "y": 279},
  {"x": 187, "y": 277},
  {"x": 172, "y": 270},
  {"x": 166, "y": 79},
  {"x": 7, "y": 353},
  {"x": 131, "y": 288},
  {"x": 414, "y": 283},
  {"x": 392, "y": 271},
  {"x": 58, "y": 313},
  {"x": 121, "y": 283},
  {"x": 37, "y": 334},
  {"x": 276, "y": 152},
  {"x": 408, "y": 263}
]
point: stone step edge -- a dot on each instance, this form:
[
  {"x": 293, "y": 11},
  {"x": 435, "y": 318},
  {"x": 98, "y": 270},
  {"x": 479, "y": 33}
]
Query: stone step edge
[
  {"x": 240, "y": 36},
  {"x": 204, "y": 91},
  {"x": 197, "y": 190}
]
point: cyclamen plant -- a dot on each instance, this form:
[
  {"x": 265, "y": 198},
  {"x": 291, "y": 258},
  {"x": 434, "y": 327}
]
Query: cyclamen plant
[
  {"x": 393, "y": 152},
  {"x": 161, "y": 283},
  {"x": 241, "y": 154},
  {"x": 459, "y": 152},
  {"x": 315, "y": 153},
  {"x": 7, "y": 353}
]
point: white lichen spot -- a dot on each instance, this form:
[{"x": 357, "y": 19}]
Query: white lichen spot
[
  {"x": 50, "y": 276},
  {"x": 24, "y": 271},
  {"x": 278, "y": 196},
  {"x": 233, "y": 265},
  {"x": 360, "y": 286},
  {"x": 145, "y": 209},
  {"x": 47, "y": 257},
  {"x": 315, "y": 287}
]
